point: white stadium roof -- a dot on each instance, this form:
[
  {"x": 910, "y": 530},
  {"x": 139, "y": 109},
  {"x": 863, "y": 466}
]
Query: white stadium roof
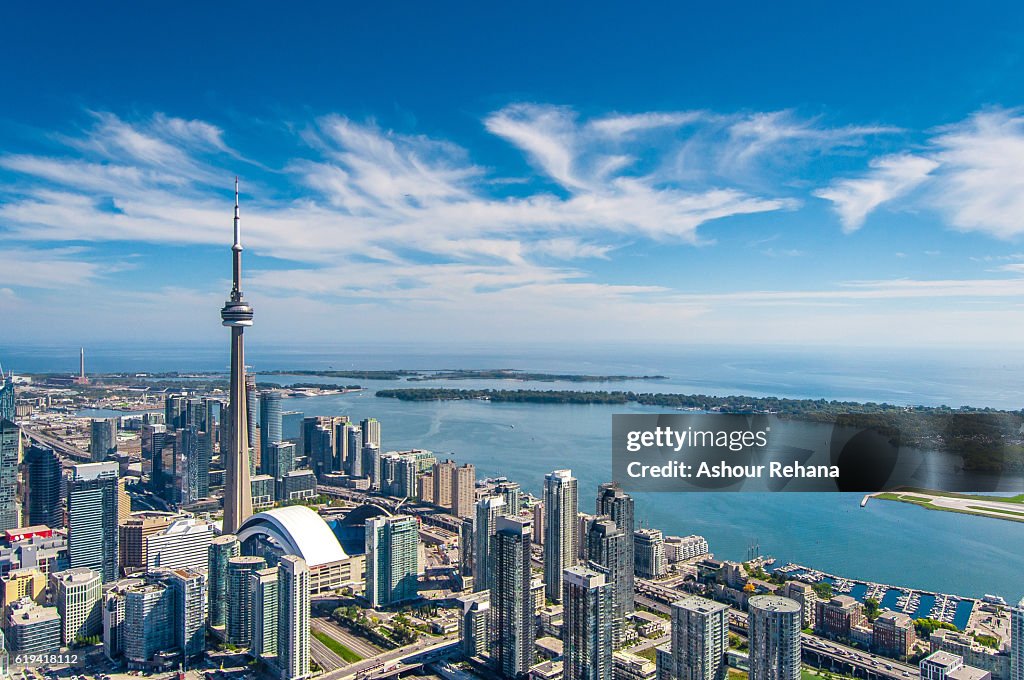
[{"x": 299, "y": 530}]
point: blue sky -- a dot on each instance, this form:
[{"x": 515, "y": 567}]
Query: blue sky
[{"x": 447, "y": 172}]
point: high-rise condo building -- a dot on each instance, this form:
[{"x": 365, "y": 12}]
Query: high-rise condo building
[
  {"x": 222, "y": 550},
  {"x": 610, "y": 547},
  {"x": 237, "y": 315},
  {"x": 10, "y": 459},
  {"x": 587, "y": 628},
  {"x": 93, "y": 518},
  {"x": 488, "y": 510},
  {"x": 774, "y": 634},
  {"x": 263, "y": 590},
  {"x": 280, "y": 459},
  {"x": 464, "y": 491},
  {"x": 43, "y": 486},
  {"x": 474, "y": 625},
  {"x": 443, "y": 476},
  {"x": 511, "y": 599},
  {"x": 148, "y": 622},
  {"x": 392, "y": 559},
  {"x": 649, "y": 553},
  {"x": 239, "y": 615},
  {"x": 188, "y": 593},
  {"x": 513, "y": 495},
  {"x": 133, "y": 534},
  {"x": 700, "y": 639},
  {"x": 184, "y": 544},
  {"x": 560, "y": 528},
  {"x": 293, "y": 618},
  {"x": 102, "y": 439}
]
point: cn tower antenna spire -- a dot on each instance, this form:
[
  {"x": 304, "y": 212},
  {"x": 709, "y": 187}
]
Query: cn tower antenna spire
[{"x": 236, "y": 315}]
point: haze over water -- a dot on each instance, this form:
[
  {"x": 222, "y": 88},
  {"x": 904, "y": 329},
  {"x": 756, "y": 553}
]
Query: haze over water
[{"x": 886, "y": 542}]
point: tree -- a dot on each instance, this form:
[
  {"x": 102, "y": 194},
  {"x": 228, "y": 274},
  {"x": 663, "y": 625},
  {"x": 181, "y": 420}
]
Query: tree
[
  {"x": 871, "y": 608},
  {"x": 823, "y": 589}
]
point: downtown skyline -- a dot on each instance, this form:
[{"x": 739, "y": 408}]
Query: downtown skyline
[{"x": 673, "y": 190}]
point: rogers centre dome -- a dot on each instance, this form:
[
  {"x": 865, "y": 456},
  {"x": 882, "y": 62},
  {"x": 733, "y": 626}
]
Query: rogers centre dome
[{"x": 293, "y": 530}]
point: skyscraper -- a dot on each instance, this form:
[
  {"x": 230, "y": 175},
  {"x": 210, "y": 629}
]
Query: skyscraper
[
  {"x": 188, "y": 592},
  {"x": 1017, "y": 641},
  {"x": 444, "y": 475},
  {"x": 610, "y": 547},
  {"x": 355, "y": 452},
  {"x": 293, "y": 618},
  {"x": 102, "y": 439},
  {"x": 617, "y": 504},
  {"x": 511, "y": 599},
  {"x": 371, "y": 431},
  {"x": 372, "y": 465},
  {"x": 194, "y": 465},
  {"x": 93, "y": 518},
  {"x": 239, "y": 614},
  {"x": 222, "y": 549},
  {"x": 10, "y": 459},
  {"x": 237, "y": 315},
  {"x": 700, "y": 639},
  {"x": 560, "y": 526},
  {"x": 774, "y": 633},
  {"x": 587, "y": 629},
  {"x": 7, "y": 407},
  {"x": 271, "y": 422},
  {"x": 392, "y": 559},
  {"x": 153, "y": 437},
  {"x": 488, "y": 510}
]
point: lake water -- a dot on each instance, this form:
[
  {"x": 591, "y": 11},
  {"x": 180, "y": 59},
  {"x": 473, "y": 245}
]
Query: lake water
[{"x": 885, "y": 542}]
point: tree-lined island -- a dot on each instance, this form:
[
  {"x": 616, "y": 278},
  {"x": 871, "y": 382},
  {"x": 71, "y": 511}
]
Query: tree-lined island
[{"x": 989, "y": 440}]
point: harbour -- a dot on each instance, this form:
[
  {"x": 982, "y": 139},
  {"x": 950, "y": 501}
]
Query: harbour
[{"x": 916, "y": 603}]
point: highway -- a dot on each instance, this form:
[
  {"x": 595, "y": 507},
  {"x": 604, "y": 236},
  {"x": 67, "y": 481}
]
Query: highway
[
  {"x": 387, "y": 663},
  {"x": 57, "y": 445}
]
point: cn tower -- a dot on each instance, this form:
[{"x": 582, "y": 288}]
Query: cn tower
[{"x": 236, "y": 315}]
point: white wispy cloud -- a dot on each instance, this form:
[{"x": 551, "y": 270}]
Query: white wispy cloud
[
  {"x": 378, "y": 220},
  {"x": 889, "y": 178},
  {"x": 980, "y": 185}
]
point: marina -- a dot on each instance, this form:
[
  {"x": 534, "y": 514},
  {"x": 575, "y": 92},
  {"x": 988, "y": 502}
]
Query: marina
[{"x": 918, "y": 604}]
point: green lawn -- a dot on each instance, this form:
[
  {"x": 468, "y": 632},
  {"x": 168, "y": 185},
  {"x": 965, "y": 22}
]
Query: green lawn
[
  {"x": 650, "y": 653},
  {"x": 341, "y": 650}
]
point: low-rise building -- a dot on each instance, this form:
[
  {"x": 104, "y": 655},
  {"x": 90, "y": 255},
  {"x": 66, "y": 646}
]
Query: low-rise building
[
  {"x": 946, "y": 666},
  {"x": 995, "y": 661},
  {"x": 893, "y": 635},
  {"x": 837, "y": 617},
  {"x": 33, "y": 629},
  {"x": 626, "y": 666}
]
